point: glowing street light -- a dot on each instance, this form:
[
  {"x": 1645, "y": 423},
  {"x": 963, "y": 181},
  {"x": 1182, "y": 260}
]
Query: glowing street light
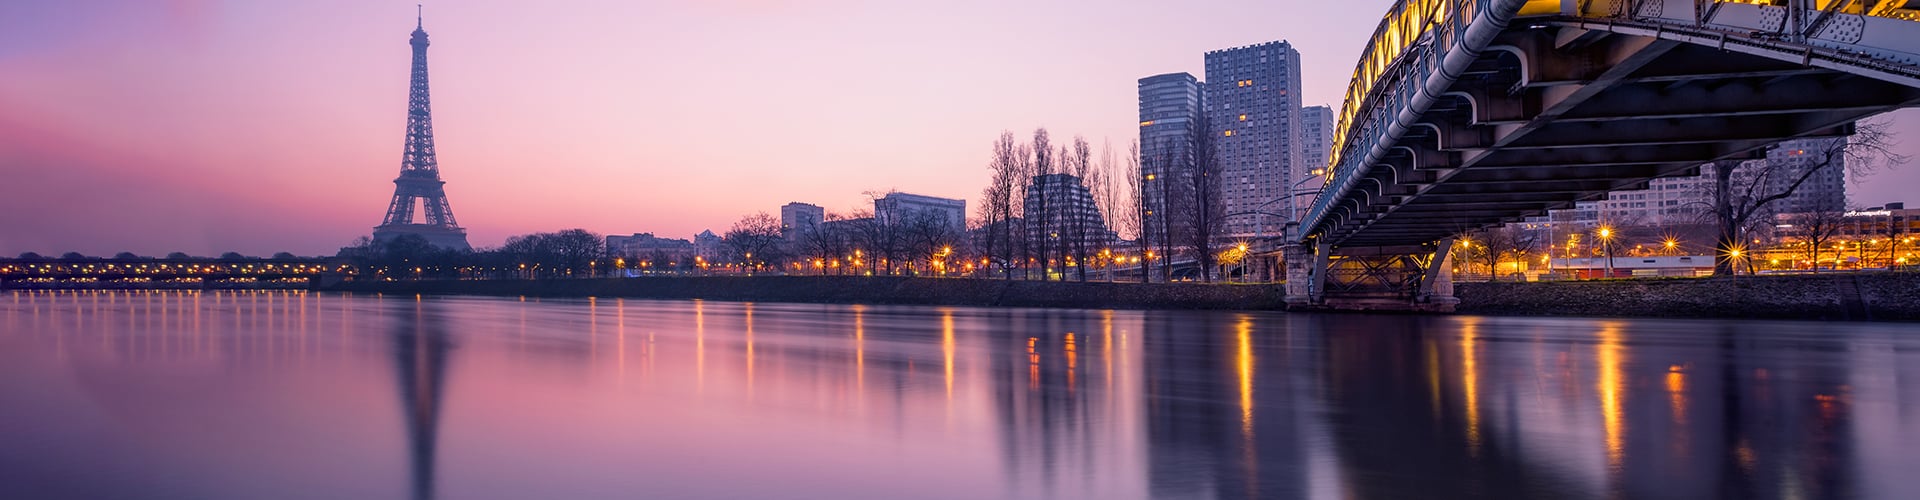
[{"x": 1606, "y": 246}]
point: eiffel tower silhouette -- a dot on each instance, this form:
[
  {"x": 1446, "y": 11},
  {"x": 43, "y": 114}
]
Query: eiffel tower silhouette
[{"x": 419, "y": 187}]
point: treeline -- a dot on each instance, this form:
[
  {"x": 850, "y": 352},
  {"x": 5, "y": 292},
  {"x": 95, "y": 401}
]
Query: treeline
[{"x": 562, "y": 254}]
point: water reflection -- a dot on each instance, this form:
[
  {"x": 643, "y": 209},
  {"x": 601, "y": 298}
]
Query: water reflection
[
  {"x": 420, "y": 347},
  {"x": 291, "y": 395}
]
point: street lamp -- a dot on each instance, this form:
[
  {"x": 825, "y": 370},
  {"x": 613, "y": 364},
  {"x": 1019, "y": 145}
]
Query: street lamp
[{"x": 1606, "y": 247}]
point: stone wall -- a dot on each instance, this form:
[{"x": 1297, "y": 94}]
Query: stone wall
[
  {"x": 861, "y": 289},
  {"x": 1857, "y": 297}
]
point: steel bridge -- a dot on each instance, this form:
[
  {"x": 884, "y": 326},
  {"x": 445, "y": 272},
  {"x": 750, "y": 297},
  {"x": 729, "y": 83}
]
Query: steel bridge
[{"x": 1464, "y": 114}]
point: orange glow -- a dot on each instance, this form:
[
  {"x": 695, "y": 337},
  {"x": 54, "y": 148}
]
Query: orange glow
[
  {"x": 1470, "y": 381},
  {"x": 1610, "y": 385},
  {"x": 946, "y": 348}
]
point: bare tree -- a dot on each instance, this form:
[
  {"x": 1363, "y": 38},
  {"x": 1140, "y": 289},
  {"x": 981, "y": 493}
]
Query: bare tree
[
  {"x": 928, "y": 238},
  {"x": 1133, "y": 209},
  {"x": 825, "y": 243},
  {"x": 1739, "y": 204},
  {"x": 1079, "y": 226},
  {"x": 1038, "y": 209},
  {"x": 1020, "y": 239},
  {"x": 1504, "y": 242},
  {"x": 755, "y": 240},
  {"x": 1206, "y": 205},
  {"x": 1816, "y": 229},
  {"x": 1174, "y": 167},
  {"x": 1000, "y": 203}
]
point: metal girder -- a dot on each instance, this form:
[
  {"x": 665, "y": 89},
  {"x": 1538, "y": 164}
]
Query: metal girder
[
  {"x": 1710, "y": 130},
  {"x": 1606, "y": 155},
  {"x": 1799, "y": 94}
]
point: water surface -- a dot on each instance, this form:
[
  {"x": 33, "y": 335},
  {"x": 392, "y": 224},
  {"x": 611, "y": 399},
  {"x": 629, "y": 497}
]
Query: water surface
[{"x": 295, "y": 395}]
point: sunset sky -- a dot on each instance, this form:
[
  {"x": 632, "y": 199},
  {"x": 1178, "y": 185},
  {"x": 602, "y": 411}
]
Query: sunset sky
[{"x": 200, "y": 126}]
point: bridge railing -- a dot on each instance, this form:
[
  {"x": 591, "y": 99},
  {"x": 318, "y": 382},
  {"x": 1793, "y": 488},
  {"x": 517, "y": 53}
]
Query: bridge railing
[{"x": 1870, "y": 33}]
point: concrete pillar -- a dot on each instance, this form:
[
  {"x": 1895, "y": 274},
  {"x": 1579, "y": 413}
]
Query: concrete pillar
[
  {"x": 1437, "y": 287},
  {"x": 1322, "y": 253},
  {"x": 1298, "y": 275}
]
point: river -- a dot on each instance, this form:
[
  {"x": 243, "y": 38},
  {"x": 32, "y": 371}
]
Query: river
[{"x": 243, "y": 395}]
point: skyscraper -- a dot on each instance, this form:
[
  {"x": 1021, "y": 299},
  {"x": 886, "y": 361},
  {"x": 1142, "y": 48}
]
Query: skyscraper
[
  {"x": 419, "y": 188},
  {"x": 1252, "y": 103},
  {"x": 1316, "y": 148},
  {"x": 1170, "y": 111}
]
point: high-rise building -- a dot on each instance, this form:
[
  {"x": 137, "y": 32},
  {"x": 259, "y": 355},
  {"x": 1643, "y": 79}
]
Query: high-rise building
[
  {"x": 902, "y": 208},
  {"x": 1316, "y": 149},
  {"x": 797, "y": 217},
  {"x": 1170, "y": 117},
  {"x": 1826, "y": 190},
  {"x": 419, "y": 192},
  {"x": 1061, "y": 205},
  {"x": 1252, "y": 103}
]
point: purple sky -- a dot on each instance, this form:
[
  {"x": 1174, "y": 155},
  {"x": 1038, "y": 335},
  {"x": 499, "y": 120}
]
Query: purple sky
[{"x": 202, "y": 127}]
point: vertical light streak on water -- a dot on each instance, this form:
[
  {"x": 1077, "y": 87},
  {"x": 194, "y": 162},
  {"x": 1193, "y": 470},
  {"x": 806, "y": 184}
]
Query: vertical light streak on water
[
  {"x": 1244, "y": 366},
  {"x": 1470, "y": 380},
  {"x": 946, "y": 350},
  {"x": 1609, "y": 354}
]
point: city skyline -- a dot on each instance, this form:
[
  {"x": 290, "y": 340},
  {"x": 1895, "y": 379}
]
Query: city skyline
[{"x": 192, "y": 127}]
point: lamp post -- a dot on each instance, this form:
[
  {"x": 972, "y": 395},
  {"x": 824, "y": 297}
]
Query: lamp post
[{"x": 1606, "y": 247}]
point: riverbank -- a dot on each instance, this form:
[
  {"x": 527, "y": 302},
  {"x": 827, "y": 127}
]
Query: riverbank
[
  {"x": 1846, "y": 297},
  {"x": 1837, "y": 297},
  {"x": 862, "y": 290}
]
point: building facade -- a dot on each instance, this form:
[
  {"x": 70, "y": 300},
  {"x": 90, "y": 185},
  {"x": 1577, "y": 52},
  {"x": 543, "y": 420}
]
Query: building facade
[
  {"x": 1316, "y": 151},
  {"x": 1686, "y": 200},
  {"x": 796, "y": 217},
  {"x": 901, "y": 208},
  {"x": 646, "y": 246},
  {"x": 1170, "y": 118},
  {"x": 1252, "y": 110}
]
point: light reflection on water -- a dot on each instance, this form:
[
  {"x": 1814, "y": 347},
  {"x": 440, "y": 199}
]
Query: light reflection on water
[{"x": 297, "y": 395}]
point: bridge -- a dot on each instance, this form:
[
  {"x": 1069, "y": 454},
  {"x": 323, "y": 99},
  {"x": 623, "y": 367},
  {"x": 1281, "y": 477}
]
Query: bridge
[
  {"x": 1464, "y": 114},
  {"x": 189, "y": 273}
]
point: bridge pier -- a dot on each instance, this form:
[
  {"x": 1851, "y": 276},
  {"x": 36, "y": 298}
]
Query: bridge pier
[{"x": 1416, "y": 278}]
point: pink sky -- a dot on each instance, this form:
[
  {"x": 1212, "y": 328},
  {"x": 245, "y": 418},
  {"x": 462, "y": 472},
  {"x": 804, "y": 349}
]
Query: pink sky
[{"x": 203, "y": 127}]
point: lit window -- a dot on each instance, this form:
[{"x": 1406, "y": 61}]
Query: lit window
[
  {"x": 1243, "y": 118},
  {"x": 1229, "y": 132},
  {"x": 1146, "y": 123}
]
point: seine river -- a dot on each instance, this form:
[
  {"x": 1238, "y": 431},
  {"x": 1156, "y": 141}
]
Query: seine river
[{"x": 255, "y": 395}]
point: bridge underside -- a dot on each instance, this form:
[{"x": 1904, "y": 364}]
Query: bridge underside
[{"x": 1554, "y": 113}]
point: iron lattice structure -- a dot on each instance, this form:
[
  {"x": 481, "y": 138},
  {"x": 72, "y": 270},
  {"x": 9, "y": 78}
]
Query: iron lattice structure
[{"x": 419, "y": 188}]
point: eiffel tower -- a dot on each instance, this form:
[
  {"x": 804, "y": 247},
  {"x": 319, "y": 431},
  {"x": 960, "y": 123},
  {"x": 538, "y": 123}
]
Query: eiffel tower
[{"x": 419, "y": 186}]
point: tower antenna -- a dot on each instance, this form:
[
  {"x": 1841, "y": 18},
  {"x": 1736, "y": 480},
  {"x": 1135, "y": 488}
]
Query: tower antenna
[{"x": 419, "y": 15}]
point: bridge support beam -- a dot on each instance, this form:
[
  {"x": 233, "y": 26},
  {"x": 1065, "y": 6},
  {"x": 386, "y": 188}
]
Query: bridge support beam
[{"x": 1415, "y": 278}]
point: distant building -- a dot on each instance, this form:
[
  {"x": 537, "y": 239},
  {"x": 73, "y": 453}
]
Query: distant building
[
  {"x": 900, "y": 208},
  {"x": 1684, "y": 200},
  {"x": 708, "y": 245},
  {"x": 1316, "y": 150},
  {"x": 797, "y": 217},
  {"x": 1826, "y": 190},
  {"x": 1061, "y": 205},
  {"x": 1252, "y": 102},
  {"x": 1170, "y": 117},
  {"x": 648, "y": 246},
  {"x": 1879, "y": 224}
]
